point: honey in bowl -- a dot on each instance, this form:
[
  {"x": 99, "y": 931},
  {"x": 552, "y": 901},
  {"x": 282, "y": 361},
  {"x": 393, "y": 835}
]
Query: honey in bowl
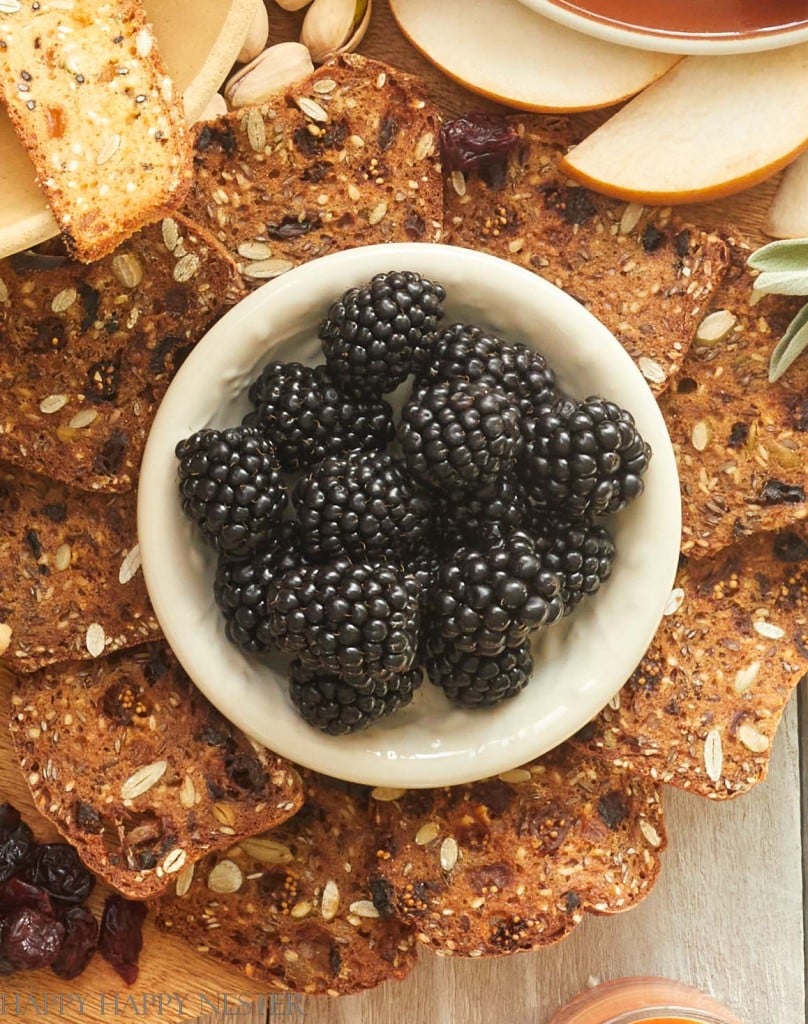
[{"x": 694, "y": 17}]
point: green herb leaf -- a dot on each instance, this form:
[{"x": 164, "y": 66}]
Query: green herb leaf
[
  {"x": 782, "y": 282},
  {"x": 793, "y": 342},
  {"x": 787, "y": 255}
]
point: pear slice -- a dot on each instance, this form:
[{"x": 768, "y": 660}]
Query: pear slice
[
  {"x": 787, "y": 217},
  {"x": 710, "y": 127},
  {"x": 505, "y": 51}
]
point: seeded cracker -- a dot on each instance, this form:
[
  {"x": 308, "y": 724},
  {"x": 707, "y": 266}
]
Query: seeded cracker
[
  {"x": 90, "y": 98},
  {"x": 701, "y": 710},
  {"x": 138, "y": 771},
  {"x": 294, "y": 908},
  {"x": 348, "y": 157},
  {"x": 70, "y": 575},
  {"x": 512, "y": 863},
  {"x": 87, "y": 352},
  {"x": 741, "y": 443},
  {"x": 645, "y": 275}
]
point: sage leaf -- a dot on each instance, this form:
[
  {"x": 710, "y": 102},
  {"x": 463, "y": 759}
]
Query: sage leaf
[
  {"x": 787, "y": 255},
  {"x": 782, "y": 282},
  {"x": 793, "y": 342}
]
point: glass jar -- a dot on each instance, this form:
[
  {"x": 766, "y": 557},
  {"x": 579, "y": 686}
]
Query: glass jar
[{"x": 644, "y": 1001}]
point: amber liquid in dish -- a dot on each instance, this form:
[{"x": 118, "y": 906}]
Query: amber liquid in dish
[{"x": 695, "y": 17}]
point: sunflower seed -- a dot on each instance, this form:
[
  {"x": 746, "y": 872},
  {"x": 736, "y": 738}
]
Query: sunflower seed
[
  {"x": 184, "y": 880},
  {"x": 363, "y": 908},
  {"x": 129, "y": 565},
  {"x": 700, "y": 436},
  {"x": 187, "y": 793},
  {"x": 255, "y": 250},
  {"x": 630, "y": 218},
  {"x": 745, "y": 677},
  {"x": 256, "y": 131},
  {"x": 127, "y": 269},
  {"x": 378, "y": 213},
  {"x": 713, "y": 755},
  {"x": 324, "y": 86},
  {"x": 171, "y": 233},
  {"x": 515, "y": 775},
  {"x": 143, "y": 779},
  {"x": 300, "y": 909},
  {"x": 266, "y": 269},
  {"x": 650, "y": 833},
  {"x": 427, "y": 833},
  {"x": 82, "y": 419},
  {"x": 425, "y": 146},
  {"x": 752, "y": 738},
  {"x": 61, "y": 560},
  {"x": 95, "y": 639},
  {"x": 448, "y": 853},
  {"x": 225, "y": 877},
  {"x": 267, "y": 851},
  {"x": 716, "y": 326},
  {"x": 64, "y": 300},
  {"x": 330, "y": 900},
  {"x": 185, "y": 268},
  {"x": 651, "y": 370},
  {"x": 458, "y": 180},
  {"x": 311, "y": 108},
  {"x": 769, "y": 630},
  {"x": 387, "y": 793},
  {"x": 53, "y": 403}
]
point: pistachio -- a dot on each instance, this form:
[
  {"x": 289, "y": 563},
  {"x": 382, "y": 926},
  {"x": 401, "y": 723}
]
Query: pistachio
[
  {"x": 272, "y": 71},
  {"x": 292, "y": 5},
  {"x": 257, "y": 34},
  {"x": 335, "y": 26}
]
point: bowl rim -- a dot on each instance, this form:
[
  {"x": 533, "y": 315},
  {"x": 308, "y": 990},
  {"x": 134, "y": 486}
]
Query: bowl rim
[
  {"x": 38, "y": 225},
  {"x": 684, "y": 43},
  {"x": 368, "y": 758}
]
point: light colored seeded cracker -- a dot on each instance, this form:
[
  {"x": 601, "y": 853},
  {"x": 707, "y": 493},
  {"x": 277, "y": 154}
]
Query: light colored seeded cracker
[
  {"x": 514, "y": 866},
  {"x": 88, "y": 94},
  {"x": 701, "y": 710},
  {"x": 294, "y": 908},
  {"x": 138, "y": 771},
  {"x": 741, "y": 442},
  {"x": 60, "y": 557},
  {"x": 82, "y": 379},
  {"x": 304, "y": 176},
  {"x": 645, "y": 275}
]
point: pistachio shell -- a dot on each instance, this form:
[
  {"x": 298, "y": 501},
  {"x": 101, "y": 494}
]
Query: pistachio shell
[
  {"x": 215, "y": 107},
  {"x": 257, "y": 34},
  {"x": 270, "y": 72},
  {"x": 335, "y": 26}
]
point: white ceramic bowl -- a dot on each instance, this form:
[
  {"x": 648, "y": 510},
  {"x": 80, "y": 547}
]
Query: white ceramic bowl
[
  {"x": 199, "y": 42},
  {"x": 580, "y": 663}
]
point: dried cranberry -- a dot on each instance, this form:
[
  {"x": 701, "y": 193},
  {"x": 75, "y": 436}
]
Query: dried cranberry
[
  {"x": 475, "y": 140},
  {"x": 15, "y": 846},
  {"x": 775, "y": 492},
  {"x": 79, "y": 945},
  {"x": 57, "y": 869},
  {"x": 30, "y": 939},
  {"x": 9, "y": 818},
  {"x": 16, "y": 893},
  {"x": 121, "y": 938}
]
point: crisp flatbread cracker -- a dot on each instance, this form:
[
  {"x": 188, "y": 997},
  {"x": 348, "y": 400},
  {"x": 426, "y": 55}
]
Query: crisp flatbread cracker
[
  {"x": 293, "y": 907},
  {"x": 87, "y": 351},
  {"x": 647, "y": 276},
  {"x": 741, "y": 442},
  {"x": 347, "y": 157},
  {"x": 70, "y": 579},
  {"x": 701, "y": 710},
  {"x": 512, "y": 863},
  {"x": 138, "y": 771}
]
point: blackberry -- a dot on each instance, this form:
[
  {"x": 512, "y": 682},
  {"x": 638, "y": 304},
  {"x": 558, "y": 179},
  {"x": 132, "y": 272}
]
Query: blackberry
[
  {"x": 351, "y": 619},
  {"x": 473, "y": 680},
  {"x": 231, "y": 488},
  {"x": 585, "y": 458},
  {"x": 362, "y": 503},
  {"x": 306, "y": 416},
  {"x": 336, "y": 706},
  {"x": 582, "y": 553},
  {"x": 240, "y": 588},
  {"x": 463, "y": 351},
  {"x": 374, "y": 335},
  {"x": 486, "y": 600},
  {"x": 495, "y": 509},
  {"x": 459, "y": 433}
]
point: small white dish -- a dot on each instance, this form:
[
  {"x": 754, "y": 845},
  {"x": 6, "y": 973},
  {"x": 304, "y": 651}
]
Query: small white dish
[
  {"x": 199, "y": 43},
  {"x": 580, "y": 663},
  {"x": 690, "y": 27}
]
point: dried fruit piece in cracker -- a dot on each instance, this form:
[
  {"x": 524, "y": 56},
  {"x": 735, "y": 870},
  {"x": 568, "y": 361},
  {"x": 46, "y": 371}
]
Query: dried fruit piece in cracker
[
  {"x": 348, "y": 157},
  {"x": 293, "y": 907},
  {"x": 89, "y": 96},
  {"x": 701, "y": 710},
  {"x": 741, "y": 442},
  {"x": 88, "y": 351},
  {"x": 645, "y": 275},
  {"x": 69, "y": 573},
  {"x": 512, "y": 863},
  {"x": 138, "y": 771}
]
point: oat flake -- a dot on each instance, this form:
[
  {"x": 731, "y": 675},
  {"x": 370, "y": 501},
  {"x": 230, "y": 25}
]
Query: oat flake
[
  {"x": 170, "y": 232},
  {"x": 651, "y": 370},
  {"x": 53, "y": 403},
  {"x": 363, "y": 908},
  {"x": 744, "y": 677},
  {"x": 713, "y": 755},
  {"x": 515, "y": 775},
  {"x": 330, "y": 901},
  {"x": 752, "y": 738},
  {"x": 650, "y": 833},
  {"x": 267, "y": 269},
  {"x": 675, "y": 601},
  {"x": 184, "y": 880},
  {"x": 174, "y": 861},
  {"x": 226, "y": 877},
  {"x": 311, "y": 108},
  {"x": 630, "y": 218},
  {"x": 378, "y": 213},
  {"x": 427, "y": 833},
  {"x": 95, "y": 639},
  {"x": 83, "y": 418},
  {"x": 448, "y": 853},
  {"x": 185, "y": 268},
  {"x": 143, "y": 779},
  {"x": 63, "y": 300},
  {"x": 387, "y": 793},
  {"x": 267, "y": 851},
  {"x": 130, "y": 565},
  {"x": 255, "y": 250}
]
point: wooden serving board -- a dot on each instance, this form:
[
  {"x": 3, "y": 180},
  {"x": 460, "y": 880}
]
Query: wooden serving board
[{"x": 177, "y": 983}]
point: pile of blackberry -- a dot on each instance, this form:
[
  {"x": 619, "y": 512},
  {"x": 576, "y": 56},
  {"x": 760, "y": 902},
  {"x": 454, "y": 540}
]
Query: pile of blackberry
[{"x": 368, "y": 550}]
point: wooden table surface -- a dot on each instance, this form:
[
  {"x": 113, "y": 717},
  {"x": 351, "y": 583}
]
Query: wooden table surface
[{"x": 726, "y": 915}]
